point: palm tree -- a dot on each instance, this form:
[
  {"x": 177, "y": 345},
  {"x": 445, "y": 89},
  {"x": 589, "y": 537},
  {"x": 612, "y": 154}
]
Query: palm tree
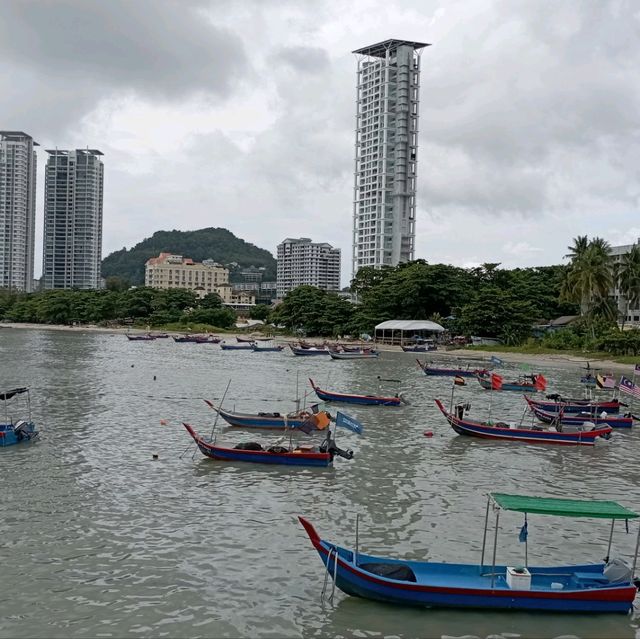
[
  {"x": 589, "y": 278},
  {"x": 580, "y": 245},
  {"x": 627, "y": 278}
]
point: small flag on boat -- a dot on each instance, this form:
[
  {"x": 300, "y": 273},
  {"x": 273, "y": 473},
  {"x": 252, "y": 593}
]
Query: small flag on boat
[
  {"x": 459, "y": 381},
  {"x": 496, "y": 381},
  {"x": 496, "y": 360},
  {"x": 605, "y": 381},
  {"x": 348, "y": 422},
  {"x": 627, "y": 386},
  {"x": 540, "y": 382},
  {"x": 524, "y": 532}
]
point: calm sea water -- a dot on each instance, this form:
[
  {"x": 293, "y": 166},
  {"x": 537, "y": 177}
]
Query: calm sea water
[{"x": 100, "y": 540}]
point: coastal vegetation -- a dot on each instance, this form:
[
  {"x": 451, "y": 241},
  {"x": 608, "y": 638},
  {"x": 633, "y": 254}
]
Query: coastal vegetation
[{"x": 211, "y": 243}]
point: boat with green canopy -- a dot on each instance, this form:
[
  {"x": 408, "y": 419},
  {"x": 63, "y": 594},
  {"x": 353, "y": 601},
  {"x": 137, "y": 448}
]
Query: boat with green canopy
[{"x": 602, "y": 587}]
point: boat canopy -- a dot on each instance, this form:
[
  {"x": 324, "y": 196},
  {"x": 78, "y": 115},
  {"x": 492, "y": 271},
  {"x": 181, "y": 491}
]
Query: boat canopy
[
  {"x": 4, "y": 396},
  {"x": 563, "y": 507}
]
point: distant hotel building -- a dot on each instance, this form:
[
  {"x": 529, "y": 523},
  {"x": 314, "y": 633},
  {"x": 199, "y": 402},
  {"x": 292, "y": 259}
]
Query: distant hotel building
[
  {"x": 386, "y": 153},
  {"x": 17, "y": 210},
  {"x": 632, "y": 314},
  {"x": 73, "y": 191},
  {"x": 301, "y": 261},
  {"x": 175, "y": 271}
]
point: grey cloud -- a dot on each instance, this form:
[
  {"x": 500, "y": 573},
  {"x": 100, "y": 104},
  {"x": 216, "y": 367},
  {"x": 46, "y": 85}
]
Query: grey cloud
[
  {"x": 158, "y": 47},
  {"x": 304, "y": 59}
]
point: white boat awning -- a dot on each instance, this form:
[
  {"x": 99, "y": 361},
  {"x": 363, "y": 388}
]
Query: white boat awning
[{"x": 409, "y": 325}]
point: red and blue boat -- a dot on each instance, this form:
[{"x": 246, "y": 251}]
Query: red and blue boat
[
  {"x": 577, "y": 419},
  {"x": 350, "y": 398},
  {"x": 502, "y": 430},
  {"x": 570, "y": 588},
  {"x": 491, "y": 381},
  {"x": 16, "y": 431},
  {"x": 449, "y": 372},
  {"x": 556, "y": 403},
  {"x": 253, "y": 452}
]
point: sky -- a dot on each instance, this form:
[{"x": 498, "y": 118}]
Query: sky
[{"x": 241, "y": 114}]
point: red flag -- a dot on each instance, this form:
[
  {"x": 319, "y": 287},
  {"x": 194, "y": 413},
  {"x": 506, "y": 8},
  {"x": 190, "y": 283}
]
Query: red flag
[
  {"x": 540, "y": 383},
  {"x": 496, "y": 381}
]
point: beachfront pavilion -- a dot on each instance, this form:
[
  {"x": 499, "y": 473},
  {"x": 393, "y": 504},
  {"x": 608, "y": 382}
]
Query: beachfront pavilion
[{"x": 406, "y": 331}]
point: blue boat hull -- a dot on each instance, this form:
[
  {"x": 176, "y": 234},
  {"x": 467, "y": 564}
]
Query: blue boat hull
[
  {"x": 469, "y": 586},
  {"x": 363, "y": 400},
  {"x": 9, "y": 437},
  {"x": 307, "y": 352}
]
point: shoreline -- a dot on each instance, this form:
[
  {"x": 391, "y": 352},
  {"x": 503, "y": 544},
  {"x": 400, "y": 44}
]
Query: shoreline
[{"x": 565, "y": 361}]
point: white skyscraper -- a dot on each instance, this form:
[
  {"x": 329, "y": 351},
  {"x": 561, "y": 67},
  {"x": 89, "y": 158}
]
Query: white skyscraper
[
  {"x": 17, "y": 209},
  {"x": 301, "y": 261},
  {"x": 73, "y": 219},
  {"x": 386, "y": 153}
]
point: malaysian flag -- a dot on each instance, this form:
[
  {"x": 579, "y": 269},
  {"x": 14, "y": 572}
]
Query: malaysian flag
[{"x": 627, "y": 386}]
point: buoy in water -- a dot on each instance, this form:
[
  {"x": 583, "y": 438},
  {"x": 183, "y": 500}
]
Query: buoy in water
[
  {"x": 154, "y": 378},
  {"x": 428, "y": 433},
  {"x": 155, "y": 456}
]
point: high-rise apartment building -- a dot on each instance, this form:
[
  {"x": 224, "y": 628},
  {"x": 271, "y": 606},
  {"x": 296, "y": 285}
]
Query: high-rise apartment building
[
  {"x": 73, "y": 219},
  {"x": 17, "y": 209},
  {"x": 301, "y": 261},
  {"x": 386, "y": 153}
]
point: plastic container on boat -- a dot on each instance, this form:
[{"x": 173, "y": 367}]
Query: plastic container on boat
[{"x": 518, "y": 578}]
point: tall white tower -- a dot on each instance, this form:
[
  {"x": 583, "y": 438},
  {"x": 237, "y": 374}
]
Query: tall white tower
[
  {"x": 73, "y": 190},
  {"x": 17, "y": 209},
  {"x": 386, "y": 153}
]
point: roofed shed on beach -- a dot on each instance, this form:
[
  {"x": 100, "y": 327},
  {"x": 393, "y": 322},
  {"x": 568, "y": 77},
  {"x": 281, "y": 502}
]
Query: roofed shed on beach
[{"x": 406, "y": 331}]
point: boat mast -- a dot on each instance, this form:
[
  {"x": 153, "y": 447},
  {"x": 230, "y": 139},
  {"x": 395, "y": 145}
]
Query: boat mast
[
  {"x": 215, "y": 421},
  {"x": 495, "y": 548},
  {"x": 613, "y": 521},
  {"x": 635, "y": 554},
  {"x": 484, "y": 536}
]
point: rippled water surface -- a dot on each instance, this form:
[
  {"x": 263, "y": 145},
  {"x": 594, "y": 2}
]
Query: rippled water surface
[{"x": 100, "y": 540}]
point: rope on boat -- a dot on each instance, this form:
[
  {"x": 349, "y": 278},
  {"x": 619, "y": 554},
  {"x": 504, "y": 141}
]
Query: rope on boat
[
  {"x": 326, "y": 575},
  {"x": 335, "y": 576}
]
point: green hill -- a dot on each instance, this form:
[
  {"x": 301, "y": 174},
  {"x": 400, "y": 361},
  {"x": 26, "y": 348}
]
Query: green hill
[{"x": 211, "y": 243}]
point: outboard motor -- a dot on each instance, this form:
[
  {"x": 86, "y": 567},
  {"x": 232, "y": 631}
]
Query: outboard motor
[
  {"x": 617, "y": 571},
  {"x": 21, "y": 430},
  {"x": 329, "y": 446}
]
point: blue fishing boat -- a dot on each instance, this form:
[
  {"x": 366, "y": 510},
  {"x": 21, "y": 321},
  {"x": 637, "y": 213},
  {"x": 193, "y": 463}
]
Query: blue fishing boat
[
  {"x": 245, "y": 346},
  {"x": 267, "y": 349},
  {"x": 556, "y": 403},
  {"x": 525, "y": 384},
  {"x": 349, "y": 398},
  {"x": 582, "y": 435},
  {"x": 359, "y": 354},
  {"x": 141, "y": 338},
  {"x": 253, "y": 452},
  {"x": 571, "y": 588},
  {"x": 16, "y": 431},
  {"x": 436, "y": 371},
  {"x": 274, "y": 421},
  {"x": 568, "y": 419},
  {"x": 307, "y": 352}
]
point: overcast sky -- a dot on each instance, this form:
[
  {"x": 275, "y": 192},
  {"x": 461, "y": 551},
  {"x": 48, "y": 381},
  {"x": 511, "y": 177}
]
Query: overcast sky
[{"x": 241, "y": 114}]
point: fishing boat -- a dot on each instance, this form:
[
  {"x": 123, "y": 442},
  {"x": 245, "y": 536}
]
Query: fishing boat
[
  {"x": 141, "y": 338},
  {"x": 308, "y": 351},
  {"x": 370, "y": 354},
  {"x": 159, "y": 335},
  {"x": 247, "y": 340},
  {"x": 570, "y": 588},
  {"x": 236, "y": 347},
  {"x": 569, "y": 419},
  {"x": 490, "y": 381},
  {"x": 303, "y": 455},
  {"x": 556, "y": 403},
  {"x": 16, "y": 431},
  {"x": 582, "y": 435},
  {"x": 349, "y": 398},
  {"x": 267, "y": 349},
  {"x": 275, "y": 421},
  {"x": 435, "y": 371},
  {"x": 196, "y": 339}
]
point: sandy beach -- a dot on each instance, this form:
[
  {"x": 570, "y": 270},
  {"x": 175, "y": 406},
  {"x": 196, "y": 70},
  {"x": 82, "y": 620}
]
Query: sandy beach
[{"x": 562, "y": 360}]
